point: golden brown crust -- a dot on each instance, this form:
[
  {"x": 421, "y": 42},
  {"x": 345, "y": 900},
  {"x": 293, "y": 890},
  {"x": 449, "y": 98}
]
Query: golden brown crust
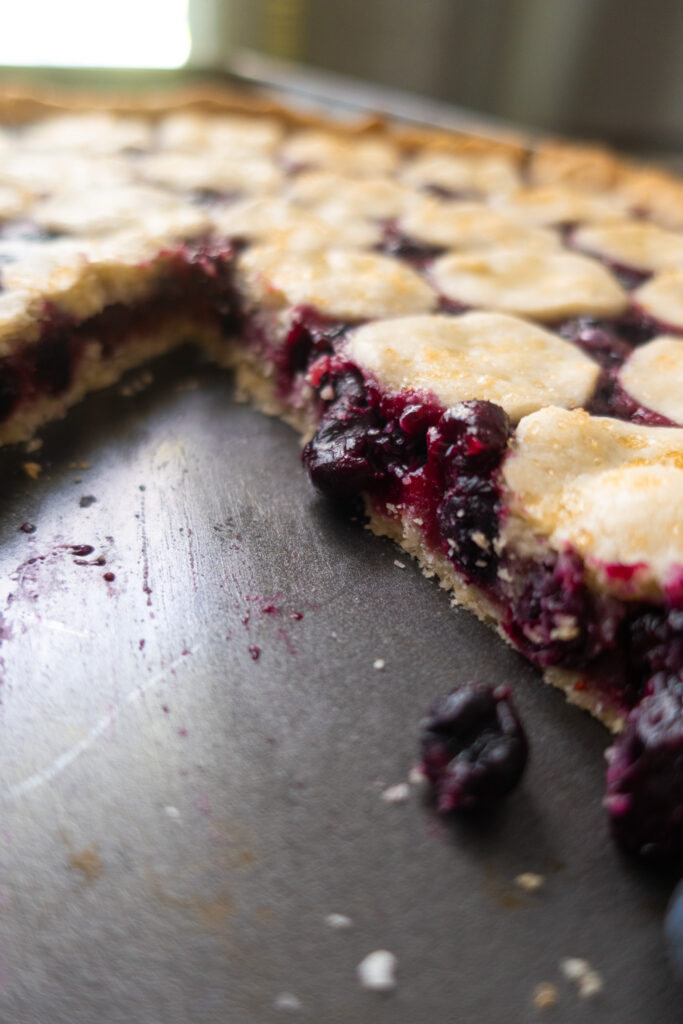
[
  {"x": 579, "y": 165},
  {"x": 575, "y": 164}
]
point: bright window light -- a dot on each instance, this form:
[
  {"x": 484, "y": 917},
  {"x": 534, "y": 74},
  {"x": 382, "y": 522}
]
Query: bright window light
[{"x": 92, "y": 34}]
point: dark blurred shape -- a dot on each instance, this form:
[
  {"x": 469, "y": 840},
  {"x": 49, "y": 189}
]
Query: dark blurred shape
[{"x": 608, "y": 69}]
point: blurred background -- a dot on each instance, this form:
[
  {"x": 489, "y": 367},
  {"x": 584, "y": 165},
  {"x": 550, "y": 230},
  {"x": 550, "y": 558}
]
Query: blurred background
[{"x": 606, "y": 69}]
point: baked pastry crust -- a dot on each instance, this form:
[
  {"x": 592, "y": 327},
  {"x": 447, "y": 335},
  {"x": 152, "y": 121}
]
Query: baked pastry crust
[{"x": 384, "y": 290}]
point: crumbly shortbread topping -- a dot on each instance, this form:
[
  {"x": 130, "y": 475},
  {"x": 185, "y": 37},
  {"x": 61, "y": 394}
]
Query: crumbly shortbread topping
[
  {"x": 612, "y": 490},
  {"x": 487, "y": 174},
  {"x": 478, "y": 355},
  {"x": 281, "y": 223},
  {"x": 12, "y": 201},
  {"x": 110, "y": 208},
  {"x": 18, "y": 312},
  {"x": 230, "y": 135},
  {"x": 49, "y": 270},
  {"x": 516, "y": 279},
  {"x": 96, "y": 133},
  {"x": 339, "y": 282},
  {"x": 336, "y": 197},
  {"x": 633, "y": 243},
  {"x": 353, "y": 155},
  {"x": 35, "y": 176},
  {"x": 662, "y": 298},
  {"x": 460, "y": 225},
  {"x": 234, "y": 173},
  {"x": 558, "y": 204},
  {"x": 77, "y": 276},
  {"x": 653, "y": 375}
]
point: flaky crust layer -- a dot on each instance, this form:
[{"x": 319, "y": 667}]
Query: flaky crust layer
[{"x": 581, "y": 165}]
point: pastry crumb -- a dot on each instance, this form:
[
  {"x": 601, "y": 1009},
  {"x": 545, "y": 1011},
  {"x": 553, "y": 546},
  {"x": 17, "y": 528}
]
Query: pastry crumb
[
  {"x": 287, "y": 1001},
  {"x": 573, "y": 968},
  {"x": 529, "y": 881},
  {"x": 338, "y": 921},
  {"x": 545, "y": 995},
  {"x": 378, "y": 971},
  {"x": 397, "y": 794},
  {"x": 590, "y": 985},
  {"x": 588, "y": 981},
  {"x": 34, "y": 445},
  {"x": 32, "y": 469},
  {"x": 399, "y": 564},
  {"x": 378, "y": 663},
  {"x": 416, "y": 775}
]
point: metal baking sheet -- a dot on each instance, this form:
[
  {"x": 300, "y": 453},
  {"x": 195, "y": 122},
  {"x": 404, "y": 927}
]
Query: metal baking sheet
[{"x": 193, "y": 753}]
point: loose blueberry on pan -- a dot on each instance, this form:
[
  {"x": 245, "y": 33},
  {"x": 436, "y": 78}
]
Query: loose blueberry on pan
[{"x": 473, "y": 747}]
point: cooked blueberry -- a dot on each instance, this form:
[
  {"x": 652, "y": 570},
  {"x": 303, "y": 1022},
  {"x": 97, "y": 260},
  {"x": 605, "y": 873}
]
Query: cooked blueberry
[
  {"x": 473, "y": 747},
  {"x": 468, "y": 519},
  {"x": 471, "y": 437},
  {"x": 597, "y": 339},
  {"x": 338, "y": 456},
  {"x": 644, "y": 797},
  {"x": 673, "y": 929}
]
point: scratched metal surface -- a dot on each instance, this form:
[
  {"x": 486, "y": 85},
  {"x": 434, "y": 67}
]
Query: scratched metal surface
[{"x": 178, "y": 818}]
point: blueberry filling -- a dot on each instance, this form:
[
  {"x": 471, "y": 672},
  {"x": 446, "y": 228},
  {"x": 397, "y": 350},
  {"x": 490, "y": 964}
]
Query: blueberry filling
[
  {"x": 396, "y": 243},
  {"x": 610, "y": 343},
  {"x": 554, "y": 618},
  {"x": 464, "y": 449},
  {"x": 629, "y": 277},
  {"x": 310, "y": 336},
  {"x": 644, "y": 797},
  {"x": 442, "y": 468},
  {"x": 362, "y": 442},
  {"x": 468, "y": 520},
  {"x": 598, "y": 338},
  {"x": 473, "y": 747},
  {"x": 611, "y": 399}
]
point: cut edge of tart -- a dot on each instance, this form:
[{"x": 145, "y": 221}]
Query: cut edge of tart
[{"x": 427, "y": 354}]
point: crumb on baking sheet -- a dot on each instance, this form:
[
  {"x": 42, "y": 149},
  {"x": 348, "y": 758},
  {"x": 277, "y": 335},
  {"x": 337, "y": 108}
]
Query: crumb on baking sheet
[
  {"x": 545, "y": 995},
  {"x": 287, "y": 1001},
  {"x": 378, "y": 663},
  {"x": 377, "y": 971},
  {"x": 32, "y": 469},
  {"x": 529, "y": 881},
  {"x": 88, "y": 862},
  {"x": 588, "y": 981},
  {"x": 338, "y": 921},
  {"x": 34, "y": 445},
  {"x": 399, "y": 564},
  {"x": 397, "y": 794}
]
